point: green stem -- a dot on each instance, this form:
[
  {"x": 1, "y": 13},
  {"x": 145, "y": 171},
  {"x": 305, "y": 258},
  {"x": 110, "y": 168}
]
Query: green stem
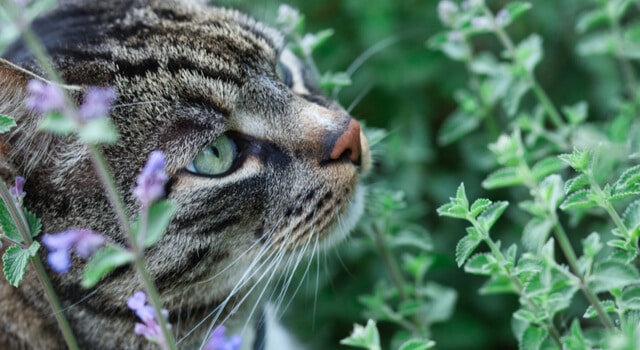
[
  {"x": 43, "y": 278},
  {"x": 541, "y": 95},
  {"x": 495, "y": 251}
]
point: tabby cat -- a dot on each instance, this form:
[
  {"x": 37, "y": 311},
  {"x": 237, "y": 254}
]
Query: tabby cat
[{"x": 264, "y": 169}]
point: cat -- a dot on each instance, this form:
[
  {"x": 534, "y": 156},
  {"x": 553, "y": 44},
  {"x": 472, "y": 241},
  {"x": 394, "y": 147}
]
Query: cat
[{"x": 264, "y": 168}]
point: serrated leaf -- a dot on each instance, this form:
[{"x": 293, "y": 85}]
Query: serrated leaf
[
  {"x": 577, "y": 113},
  {"x": 58, "y": 124},
  {"x": 514, "y": 94},
  {"x": 578, "y": 160},
  {"x": 532, "y": 338},
  {"x": 580, "y": 199},
  {"x": 452, "y": 210},
  {"x": 503, "y": 177},
  {"x": 364, "y": 337},
  {"x": 525, "y": 315},
  {"x": 622, "y": 195},
  {"x": 481, "y": 264},
  {"x": 465, "y": 248},
  {"x": 498, "y": 284},
  {"x": 612, "y": 274},
  {"x": 607, "y": 305},
  {"x": 536, "y": 233},
  {"x": 631, "y": 216},
  {"x": 546, "y": 167},
  {"x": 529, "y": 52},
  {"x": 628, "y": 179},
  {"x": 15, "y": 260},
  {"x": 551, "y": 191},
  {"x": 6, "y": 123},
  {"x": 478, "y": 206},
  {"x": 576, "y": 183},
  {"x": 158, "y": 219},
  {"x": 35, "y": 225},
  {"x": 576, "y": 339},
  {"x": 591, "y": 245},
  {"x": 417, "y": 344},
  {"x": 99, "y": 131},
  {"x": 103, "y": 262},
  {"x": 631, "y": 298},
  {"x": 7, "y": 226},
  {"x": 491, "y": 214}
]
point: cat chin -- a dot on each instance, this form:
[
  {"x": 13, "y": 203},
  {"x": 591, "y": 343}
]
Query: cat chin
[{"x": 347, "y": 221}]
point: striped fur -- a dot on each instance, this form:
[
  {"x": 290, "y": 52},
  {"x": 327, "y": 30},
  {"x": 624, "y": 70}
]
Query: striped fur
[{"x": 185, "y": 74}]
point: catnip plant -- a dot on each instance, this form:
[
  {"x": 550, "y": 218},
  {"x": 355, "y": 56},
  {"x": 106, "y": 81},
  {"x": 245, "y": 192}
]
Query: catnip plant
[{"x": 581, "y": 178}]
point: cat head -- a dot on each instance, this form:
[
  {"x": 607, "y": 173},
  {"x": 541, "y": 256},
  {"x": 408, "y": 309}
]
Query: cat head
[{"x": 261, "y": 164}]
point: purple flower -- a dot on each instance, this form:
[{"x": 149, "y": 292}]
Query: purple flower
[
  {"x": 503, "y": 17},
  {"x": 97, "y": 102},
  {"x": 17, "y": 191},
  {"x": 219, "y": 341},
  {"x": 83, "y": 241},
  {"x": 151, "y": 181},
  {"x": 481, "y": 23},
  {"x": 45, "y": 97},
  {"x": 447, "y": 10},
  {"x": 150, "y": 329}
]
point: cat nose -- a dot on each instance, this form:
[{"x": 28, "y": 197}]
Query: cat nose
[{"x": 348, "y": 144}]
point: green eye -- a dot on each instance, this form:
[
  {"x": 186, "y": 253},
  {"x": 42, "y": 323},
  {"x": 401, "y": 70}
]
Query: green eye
[{"x": 216, "y": 158}]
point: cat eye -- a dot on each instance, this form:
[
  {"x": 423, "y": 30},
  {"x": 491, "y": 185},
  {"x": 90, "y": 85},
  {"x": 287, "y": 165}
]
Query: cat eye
[
  {"x": 284, "y": 73},
  {"x": 216, "y": 159}
]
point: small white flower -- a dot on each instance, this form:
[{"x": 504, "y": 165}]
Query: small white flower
[{"x": 447, "y": 10}]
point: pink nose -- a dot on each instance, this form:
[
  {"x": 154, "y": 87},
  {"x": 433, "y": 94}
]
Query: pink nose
[{"x": 348, "y": 144}]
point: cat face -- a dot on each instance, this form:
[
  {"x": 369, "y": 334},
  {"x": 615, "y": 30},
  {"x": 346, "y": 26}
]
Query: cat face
[{"x": 264, "y": 169}]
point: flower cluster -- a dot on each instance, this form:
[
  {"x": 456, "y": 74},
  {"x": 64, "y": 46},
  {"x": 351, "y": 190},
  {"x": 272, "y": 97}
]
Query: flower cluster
[
  {"x": 46, "y": 97},
  {"x": 17, "y": 191},
  {"x": 152, "y": 179},
  {"x": 150, "y": 328},
  {"x": 219, "y": 341},
  {"x": 83, "y": 242}
]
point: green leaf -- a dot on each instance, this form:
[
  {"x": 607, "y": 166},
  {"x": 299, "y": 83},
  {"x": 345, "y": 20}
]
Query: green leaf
[
  {"x": 417, "y": 344},
  {"x": 514, "y": 94},
  {"x": 575, "y": 340},
  {"x": 481, "y": 264},
  {"x": 458, "y": 207},
  {"x": 578, "y": 160},
  {"x": 577, "y": 113},
  {"x": 612, "y": 274},
  {"x": 525, "y": 315},
  {"x": 631, "y": 298},
  {"x": 503, "y": 177},
  {"x": 478, "y": 206},
  {"x": 456, "y": 126},
  {"x": 456, "y": 50},
  {"x": 35, "y": 225},
  {"x": 532, "y": 338},
  {"x": 103, "y": 262},
  {"x": 15, "y": 260},
  {"x": 601, "y": 43},
  {"x": 579, "y": 199},
  {"x": 547, "y": 166},
  {"x": 465, "y": 248},
  {"x": 529, "y": 52},
  {"x": 6, "y": 123},
  {"x": 591, "y": 19},
  {"x": 99, "y": 131},
  {"x": 7, "y": 226},
  {"x": 631, "y": 216},
  {"x": 329, "y": 81},
  {"x": 628, "y": 180},
  {"x": 576, "y": 183},
  {"x": 364, "y": 337},
  {"x": 607, "y": 305},
  {"x": 57, "y": 123},
  {"x": 536, "y": 233},
  {"x": 491, "y": 214},
  {"x": 591, "y": 245},
  {"x": 498, "y": 284},
  {"x": 551, "y": 191},
  {"x": 158, "y": 219},
  {"x": 514, "y": 10}
]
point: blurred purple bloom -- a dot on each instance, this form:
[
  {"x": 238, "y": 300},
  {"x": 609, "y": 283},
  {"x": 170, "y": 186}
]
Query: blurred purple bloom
[
  {"x": 44, "y": 97},
  {"x": 83, "y": 241},
  {"x": 150, "y": 329},
  {"x": 97, "y": 102},
  {"x": 17, "y": 191},
  {"x": 481, "y": 23},
  {"x": 151, "y": 181},
  {"x": 503, "y": 17},
  {"x": 219, "y": 341},
  {"x": 446, "y": 11}
]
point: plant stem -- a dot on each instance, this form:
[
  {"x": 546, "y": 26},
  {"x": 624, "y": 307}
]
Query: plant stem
[
  {"x": 541, "y": 95},
  {"x": 43, "y": 278}
]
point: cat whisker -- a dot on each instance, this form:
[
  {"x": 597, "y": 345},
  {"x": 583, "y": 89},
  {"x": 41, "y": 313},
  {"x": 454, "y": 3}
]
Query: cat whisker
[
  {"x": 359, "y": 98},
  {"x": 140, "y": 103}
]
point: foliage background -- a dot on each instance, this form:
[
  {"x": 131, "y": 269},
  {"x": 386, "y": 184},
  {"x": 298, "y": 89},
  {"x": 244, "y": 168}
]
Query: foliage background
[{"x": 408, "y": 90}]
